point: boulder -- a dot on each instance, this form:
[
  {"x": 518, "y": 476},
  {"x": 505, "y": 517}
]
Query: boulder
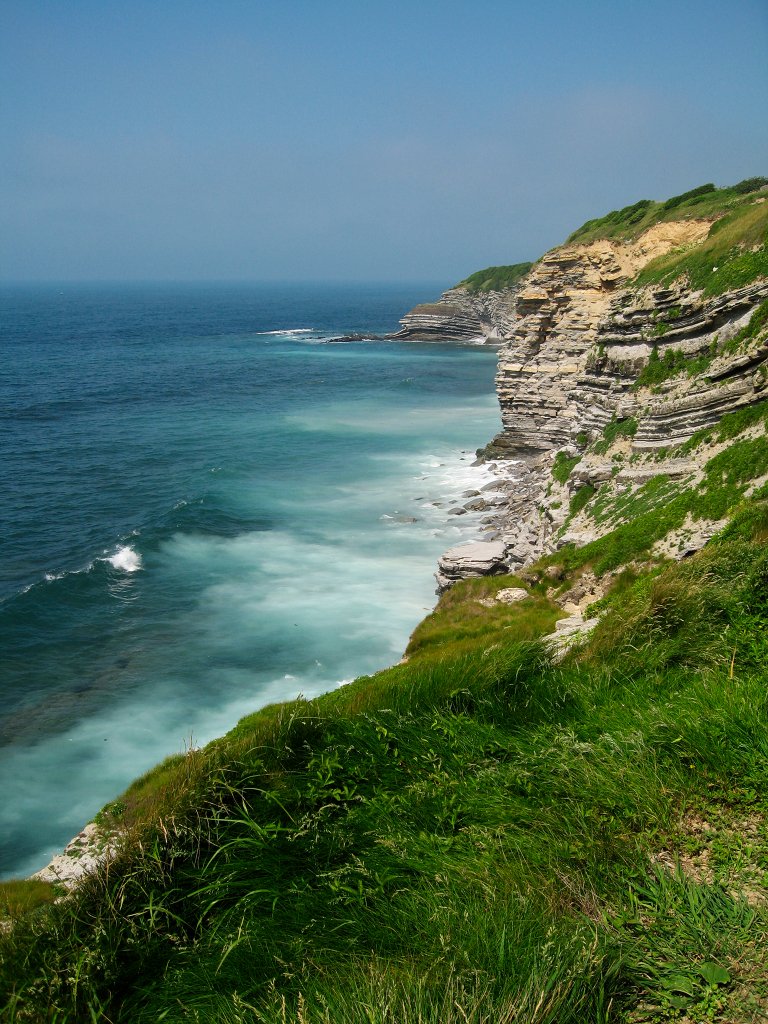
[
  {"x": 480, "y": 558},
  {"x": 511, "y": 595},
  {"x": 477, "y": 505}
]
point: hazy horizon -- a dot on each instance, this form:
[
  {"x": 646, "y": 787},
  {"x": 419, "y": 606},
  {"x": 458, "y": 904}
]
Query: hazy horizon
[{"x": 346, "y": 142}]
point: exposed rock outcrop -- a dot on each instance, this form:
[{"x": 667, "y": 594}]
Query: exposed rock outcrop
[
  {"x": 462, "y": 315},
  {"x": 80, "y": 857},
  {"x": 482, "y": 558},
  {"x": 610, "y": 378}
]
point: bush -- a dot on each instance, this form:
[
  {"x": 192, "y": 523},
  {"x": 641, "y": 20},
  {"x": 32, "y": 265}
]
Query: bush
[
  {"x": 495, "y": 279},
  {"x": 749, "y": 185},
  {"x": 614, "y": 430},
  {"x": 684, "y": 197},
  {"x": 673, "y": 362},
  {"x": 622, "y": 219},
  {"x": 563, "y": 466},
  {"x": 580, "y": 499}
]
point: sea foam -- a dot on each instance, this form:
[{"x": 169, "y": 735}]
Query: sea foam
[
  {"x": 281, "y": 333},
  {"x": 125, "y": 559}
]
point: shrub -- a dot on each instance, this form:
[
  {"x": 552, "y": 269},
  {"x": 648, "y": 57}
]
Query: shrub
[
  {"x": 580, "y": 499},
  {"x": 750, "y": 185},
  {"x": 563, "y": 466},
  {"x": 684, "y": 197},
  {"x": 495, "y": 279},
  {"x": 672, "y": 363},
  {"x": 613, "y": 222},
  {"x": 612, "y": 431}
]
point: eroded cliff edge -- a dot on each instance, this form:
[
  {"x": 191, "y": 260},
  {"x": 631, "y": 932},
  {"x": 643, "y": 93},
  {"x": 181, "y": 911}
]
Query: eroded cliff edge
[{"x": 621, "y": 351}]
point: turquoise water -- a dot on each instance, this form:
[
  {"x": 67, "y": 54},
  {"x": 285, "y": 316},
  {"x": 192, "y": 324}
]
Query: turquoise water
[{"x": 207, "y": 507}]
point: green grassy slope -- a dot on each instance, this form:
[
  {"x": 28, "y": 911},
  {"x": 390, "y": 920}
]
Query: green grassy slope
[
  {"x": 733, "y": 254},
  {"x": 474, "y": 835},
  {"x": 494, "y": 279},
  {"x": 703, "y": 203}
]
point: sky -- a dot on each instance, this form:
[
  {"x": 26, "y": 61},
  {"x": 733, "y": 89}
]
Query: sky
[{"x": 344, "y": 140}]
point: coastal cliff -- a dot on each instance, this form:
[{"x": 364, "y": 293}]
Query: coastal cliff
[
  {"x": 616, "y": 352},
  {"x": 480, "y": 309}
]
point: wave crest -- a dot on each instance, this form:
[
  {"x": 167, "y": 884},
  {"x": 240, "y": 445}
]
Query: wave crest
[{"x": 125, "y": 559}]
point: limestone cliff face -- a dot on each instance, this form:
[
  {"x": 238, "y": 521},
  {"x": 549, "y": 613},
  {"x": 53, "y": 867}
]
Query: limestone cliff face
[
  {"x": 567, "y": 362},
  {"x": 578, "y": 340},
  {"x": 462, "y": 315}
]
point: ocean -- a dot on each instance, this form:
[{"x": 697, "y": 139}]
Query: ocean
[{"x": 208, "y": 507}]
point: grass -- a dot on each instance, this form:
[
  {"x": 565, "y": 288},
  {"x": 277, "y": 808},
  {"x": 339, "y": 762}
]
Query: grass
[
  {"x": 648, "y": 514},
  {"x": 704, "y": 202},
  {"x": 757, "y": 326},
  {"x": 563, "y": 466},
  {"x": 580, "y": 499},
  {"x": 733, "y": 255},
  {"x": 495, "y": 279},
  {"x": 18, "y": 898},
  {"x": 473, "y": 852},
  {"x": 613, "y": 431},
  {"x": 476, "y": 834},
  {"x": 463, "y": 614},
  {"x": 672, "y": 364},
  {"x": 729, "y": 427},
  {"x": 675, "y": 362},
  {"x": 473, "y": 835}
]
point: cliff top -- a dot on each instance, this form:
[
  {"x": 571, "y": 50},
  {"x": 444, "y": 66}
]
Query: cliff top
[
  {"x": 707, "y": 202},
  {"x": 495, "y": 279},
  {"x": 715, "y": 236}
]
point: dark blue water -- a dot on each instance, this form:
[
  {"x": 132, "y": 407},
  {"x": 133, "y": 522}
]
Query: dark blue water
[{"x": 207, "y": 507}]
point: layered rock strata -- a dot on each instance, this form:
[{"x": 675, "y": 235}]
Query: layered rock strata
[
  {"x": 462, "y": 315},
  {"x": 577, "y": 339},
  {"x": 481, "y": 558}
]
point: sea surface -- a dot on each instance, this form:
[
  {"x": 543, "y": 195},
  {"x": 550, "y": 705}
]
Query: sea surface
[{"x": 207, "y": 507}]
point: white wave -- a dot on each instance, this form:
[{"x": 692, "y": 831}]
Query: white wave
[
  {"x": 291, "y": 330},
  {"x": 51, "y": 576},
  {"x": 125, "y": 559}
]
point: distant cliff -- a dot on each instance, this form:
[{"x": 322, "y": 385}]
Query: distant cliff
[{"x": 481, "y": 308}]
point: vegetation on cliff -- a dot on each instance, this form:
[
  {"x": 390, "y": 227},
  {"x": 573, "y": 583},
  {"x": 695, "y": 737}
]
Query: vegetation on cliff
[
  {"x": 703, "y": 203},
  {"x": 733, "y": 255},
  {"x": 495, "y": 279}
]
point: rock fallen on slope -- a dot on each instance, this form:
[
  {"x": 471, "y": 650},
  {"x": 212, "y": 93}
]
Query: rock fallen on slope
[
  {"x": 480, "y": 558},
  {"x": 511, "y": 595}
]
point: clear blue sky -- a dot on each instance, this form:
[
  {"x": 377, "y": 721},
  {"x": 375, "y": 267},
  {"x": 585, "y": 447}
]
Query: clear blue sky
[{"x": 357, "y": 139}]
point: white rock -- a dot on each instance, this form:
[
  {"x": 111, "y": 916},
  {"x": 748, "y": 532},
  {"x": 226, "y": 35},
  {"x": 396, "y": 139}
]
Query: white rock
[{"x": 511, "y": 595}]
